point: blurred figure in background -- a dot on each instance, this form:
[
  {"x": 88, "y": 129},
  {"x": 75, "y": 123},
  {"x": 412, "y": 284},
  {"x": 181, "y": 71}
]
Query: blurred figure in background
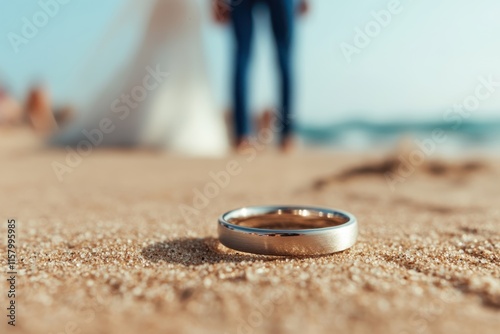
[
  {"x": 39, "y": 112},
  {"x": 36, "y": 111},
  {"x": 160, "y": 98},
  {"x": 282, "y": 15}
]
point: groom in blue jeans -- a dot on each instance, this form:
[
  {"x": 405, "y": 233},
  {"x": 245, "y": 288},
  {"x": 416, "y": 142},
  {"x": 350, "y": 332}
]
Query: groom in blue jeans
[{"x": 282, "y": 14}]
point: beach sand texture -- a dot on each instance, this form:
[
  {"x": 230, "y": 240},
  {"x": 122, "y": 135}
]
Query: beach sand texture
[{"x": 108, "y": 250}]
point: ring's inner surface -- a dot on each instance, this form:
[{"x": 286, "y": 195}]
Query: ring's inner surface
[{"x": 294, "y": 219}]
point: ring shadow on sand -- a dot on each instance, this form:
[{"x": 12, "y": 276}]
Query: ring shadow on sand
[{"x": 196, "y": 251}]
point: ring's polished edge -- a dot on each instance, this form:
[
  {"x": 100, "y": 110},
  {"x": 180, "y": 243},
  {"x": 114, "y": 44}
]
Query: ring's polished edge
[{"x": 302, "y": 242}]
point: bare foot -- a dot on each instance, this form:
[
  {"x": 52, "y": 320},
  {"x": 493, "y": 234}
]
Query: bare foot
[
  {"x": 287, "y": 145},
  {"x": 39, "y": 112},
  {"x": 242, "y": 144}
]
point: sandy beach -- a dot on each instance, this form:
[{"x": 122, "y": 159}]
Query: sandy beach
[{"x": 125, "y": 243}]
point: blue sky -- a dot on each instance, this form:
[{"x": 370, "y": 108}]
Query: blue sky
[{"x": 428, "y": 57}]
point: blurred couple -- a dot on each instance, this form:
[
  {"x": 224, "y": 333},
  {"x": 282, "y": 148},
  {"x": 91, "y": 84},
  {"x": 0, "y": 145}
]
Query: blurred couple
[{"x": 179, "y": 113}]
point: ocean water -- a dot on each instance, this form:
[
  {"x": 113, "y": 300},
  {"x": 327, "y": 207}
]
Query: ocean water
[{"x": 481, "y": 136}]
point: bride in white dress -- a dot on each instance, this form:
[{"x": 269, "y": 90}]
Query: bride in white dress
[{"x": 145, "y": 106}]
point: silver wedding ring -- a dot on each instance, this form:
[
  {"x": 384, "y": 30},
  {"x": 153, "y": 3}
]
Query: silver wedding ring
[{"x": 287, "y": 230}]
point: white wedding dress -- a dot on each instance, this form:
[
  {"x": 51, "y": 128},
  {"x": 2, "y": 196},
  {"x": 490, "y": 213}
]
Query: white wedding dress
[{"x": 178, "y": 115}]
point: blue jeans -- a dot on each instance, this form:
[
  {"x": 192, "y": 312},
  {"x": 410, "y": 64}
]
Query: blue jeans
[{"x": 282, "y": 14}]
